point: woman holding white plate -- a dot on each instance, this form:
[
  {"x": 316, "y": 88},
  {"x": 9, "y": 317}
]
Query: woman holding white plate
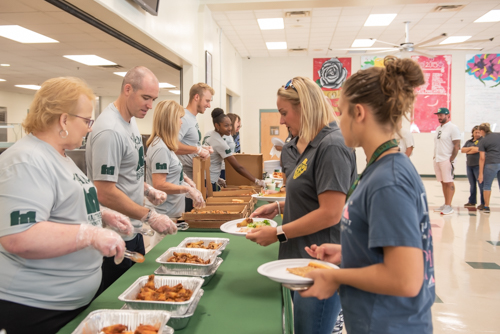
[{"x": 324, "y": 170}]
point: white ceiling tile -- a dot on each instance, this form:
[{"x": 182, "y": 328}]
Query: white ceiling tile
[
  {"x": 418, "y": 8},
  {"x": 440, "y": 15},
  {"x": 268, "y": 14},
  {"x": 240, "y": 15},
  {"x": 328, "y": 19},
  {"x": 354, "y": 11},
  {"x": 323, "y": 25},
  {"x": 297, "y": 20},
  {"x": 393, "y": 9},
  {"x": 237, "y": 23},
  {"x": 219, "y": 16},
  {"x": 331, "y": 12}
]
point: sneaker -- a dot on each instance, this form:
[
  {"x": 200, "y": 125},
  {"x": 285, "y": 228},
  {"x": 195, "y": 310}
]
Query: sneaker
[
  {"x": 448, "y": 210},
  {"x": 486, "y": 209},
  {"x": 469, "y": 205},
  {"x": 441, "y": 208},
  {"x": 480, "y": 207}
]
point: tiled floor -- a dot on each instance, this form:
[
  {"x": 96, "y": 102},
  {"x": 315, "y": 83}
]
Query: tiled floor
[{"x": 467, "y": 262}]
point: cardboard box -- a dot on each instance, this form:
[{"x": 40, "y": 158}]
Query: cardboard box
[
  {"x": 234, "y": 193},
  {"x": 257, "y": 189},
  {"x": 201, "y": 176},
  {"x": 234, "y": 212},
  {"x": 248, "y": 200},
  {"x": 254, "y": 163}
]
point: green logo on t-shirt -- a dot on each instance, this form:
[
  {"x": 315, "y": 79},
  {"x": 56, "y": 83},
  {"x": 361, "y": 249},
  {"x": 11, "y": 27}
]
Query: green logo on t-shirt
[
  {"x": 182, "y": 174},
  {"x": 105, "y": 170},
  {"x": 161, "y": 166},
  {"x": 199, "y": 133},
  {"x": 91, "y": 202},
  {"x": 205, "y": 140},
  {"x": 228, "y": 151},
  {"x": 140, "y": 150},
  {"x": 16, "y": 218}
]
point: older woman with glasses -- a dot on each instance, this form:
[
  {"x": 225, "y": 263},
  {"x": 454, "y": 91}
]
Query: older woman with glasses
[
  {"x": 322, "y": 173},
  {"x": 51, "y": 227}
]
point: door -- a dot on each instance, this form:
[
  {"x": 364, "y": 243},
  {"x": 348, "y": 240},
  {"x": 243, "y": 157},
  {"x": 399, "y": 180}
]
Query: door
[{"x": 269, "y": 128}]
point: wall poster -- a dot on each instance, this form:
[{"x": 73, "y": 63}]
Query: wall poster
[
  {"x": 371, "y": 61},
  {"x": 330, "y": 74},
  {"x": 434, "y": 94},
  {"x": 482, "y": 90}
]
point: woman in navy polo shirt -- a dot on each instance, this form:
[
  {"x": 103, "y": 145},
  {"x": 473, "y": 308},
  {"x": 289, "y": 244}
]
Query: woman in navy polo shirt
[{"x": 387, "y": 273}]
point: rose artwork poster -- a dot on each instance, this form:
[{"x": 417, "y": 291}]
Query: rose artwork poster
[{"x": 330, "y": 74}]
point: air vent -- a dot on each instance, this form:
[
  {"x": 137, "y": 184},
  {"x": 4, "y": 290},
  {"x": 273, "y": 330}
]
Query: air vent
[
  {"x": 301, "y": 13},
  {"x": 448, "y": 8},
  {"x": 113, "y": 67},
  {"x": 297, "y": 50}
]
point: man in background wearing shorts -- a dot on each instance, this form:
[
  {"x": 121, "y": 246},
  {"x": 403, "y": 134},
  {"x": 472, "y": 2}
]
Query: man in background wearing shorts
[{"x": 446, "y": 147}]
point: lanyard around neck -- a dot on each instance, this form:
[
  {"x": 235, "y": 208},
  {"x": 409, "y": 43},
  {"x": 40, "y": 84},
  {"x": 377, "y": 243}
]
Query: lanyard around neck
[{"x": 378, "y": 152}]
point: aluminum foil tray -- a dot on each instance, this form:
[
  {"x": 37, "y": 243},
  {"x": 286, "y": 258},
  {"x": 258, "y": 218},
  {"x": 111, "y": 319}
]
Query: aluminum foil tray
[
  {"x": 190, "y": 269},
  {"x": 96, "y": 320},
  {"x": 164, "y": 271},
  {"x": 206, "y": 241},
  {"x": 175, "y": 308},
  {"x": 178, "y": 322}
]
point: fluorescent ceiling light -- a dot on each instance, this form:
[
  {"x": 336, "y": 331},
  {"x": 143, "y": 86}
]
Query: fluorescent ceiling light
[
  {"x": 2, "y": 79},
  {"x": 363, "y": 43},
  {"x": 122, "y": 74},
  {"x": 176, "y": 92},
  {"x": 455, "y": 39},
  {"x": 379, "y": 20},
  {"x": 271, "y": 24},
  {"x": 166, "y": 85},
  {"x": 491, "y": 16},
  {"x": 34, "y": 87},
  {"x": 91, "y": 60},
  {"x": 276, "y": 45},
  {"x": 23, "y": 35},
  {"x": 4, "y": 65}
]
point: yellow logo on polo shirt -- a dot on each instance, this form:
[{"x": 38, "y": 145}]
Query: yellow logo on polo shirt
[{"x": 300, "y": 169}]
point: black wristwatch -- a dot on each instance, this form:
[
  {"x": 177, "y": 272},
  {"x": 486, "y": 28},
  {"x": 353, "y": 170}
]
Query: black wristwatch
[{"x": 281, "y": 234}]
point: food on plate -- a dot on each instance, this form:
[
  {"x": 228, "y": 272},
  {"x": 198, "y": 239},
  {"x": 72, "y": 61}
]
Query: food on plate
[
  {"x": 245, "y": 222},
  {"x": 122, "y": 329},
  {"x": 278, "y": 175},
  {"x": 302, "y": 271},
  {"x": 187, "y": 258},
  {"x": 201, "y": 244},
  {"x": 273, "y": 194},
  {"x": 251, "y": 224},
  {"x": 235, "y": 200},
  {"x": 164, "y": 293}
]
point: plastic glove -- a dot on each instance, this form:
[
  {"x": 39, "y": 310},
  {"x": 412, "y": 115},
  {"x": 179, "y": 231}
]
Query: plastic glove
[
  {"x": 160, "y": 223},
  {"x": 260, "y": 183},
  {"x": 222, "y": 183},
  {"x": 107, "y": 242},
  {"x": 208, "y": 148},
  {"x": 189, "y": 182},
  {"x": 203, "y": 153},
  {"x": 196, "y": 196},
  {"x": 117, "y": 221},
  {"x": 155, "y": 196}
]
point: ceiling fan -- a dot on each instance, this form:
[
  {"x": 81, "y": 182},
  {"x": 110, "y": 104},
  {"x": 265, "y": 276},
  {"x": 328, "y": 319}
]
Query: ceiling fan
[{"x": 419, "y": 48}]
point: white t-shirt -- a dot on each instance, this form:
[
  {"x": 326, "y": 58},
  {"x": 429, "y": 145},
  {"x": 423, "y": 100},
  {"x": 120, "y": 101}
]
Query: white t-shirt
[
  {"x": 443, "y": 140},
  {"x": 232, "y": 145},
  {"x": 160, "y": 159},
  {"x": 405, "y": 141},
  {"x": 189, "y": 134},
  {"x": 115, "y": 153},
  {"x": 38, "y": 184},
  {"x": 221, "y": 151}
]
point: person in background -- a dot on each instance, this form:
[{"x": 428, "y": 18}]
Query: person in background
[
  {"x": 215, "y": 138},
  {"x": 405, "y": 140},
  {"x": 115, "y": 163},
  {"x": 471, "y": 149},
  {"x": 232, "y": 145},
  {"x": 446, "y": 147},
  {"x": 387, "y": 278},
  {"x": 51, "y": 228},
  {"x": 235, "y": 131},
  {"x": 489, "y": 161},
  {"x": 324, "y": 169},
  {"x": 163, "y": 168}
]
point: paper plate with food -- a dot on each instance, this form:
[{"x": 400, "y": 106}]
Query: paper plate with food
[
  {"x": 270, "y": 195},
  {"x": 245, "y": 225},
  {"x": 293, "y": 271}
]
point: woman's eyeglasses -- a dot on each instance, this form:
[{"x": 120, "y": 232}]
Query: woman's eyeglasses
[
  {"x": 289, "y": 84},
  {"x": 89, "y": 121}
]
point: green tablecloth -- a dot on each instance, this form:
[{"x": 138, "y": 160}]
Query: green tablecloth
[{"x": 236, "y": 300}]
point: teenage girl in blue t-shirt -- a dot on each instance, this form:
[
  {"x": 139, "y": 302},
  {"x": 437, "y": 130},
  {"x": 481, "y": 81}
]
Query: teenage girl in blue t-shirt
[{"x": 387, "y": 277}]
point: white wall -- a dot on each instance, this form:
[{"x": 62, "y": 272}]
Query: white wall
[
  {"x": 17, "y": 108},
  {"x": 263, "y": 76}
]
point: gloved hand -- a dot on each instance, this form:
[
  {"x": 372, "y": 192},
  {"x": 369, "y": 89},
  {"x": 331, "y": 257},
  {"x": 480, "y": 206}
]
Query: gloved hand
[
  {"x": 208, "y": 148},
  {"x": 117, "y": 221},
  {"x": 189, "y": 181},
  {"x": 195, "y": 195},
  {"x": 203, "y": 153},
  {"x": 160, "y": 223},
  {"x": 260, "y": 183},
  {"x": 222, "y": 183},
  {"x": 107, "y": 242},
  {"x": 155, "y": 196}
]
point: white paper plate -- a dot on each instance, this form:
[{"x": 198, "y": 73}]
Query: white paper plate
[
  {"x": 268, "y": 198},
  {"x": 231, "y": 228},
  {"x": 276, "y": 270},
  {"x": 277, "y": 142}
]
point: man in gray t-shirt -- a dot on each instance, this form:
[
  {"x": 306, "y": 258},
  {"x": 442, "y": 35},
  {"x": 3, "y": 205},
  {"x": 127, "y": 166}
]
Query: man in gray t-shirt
[{"x": 115, "y": 163}]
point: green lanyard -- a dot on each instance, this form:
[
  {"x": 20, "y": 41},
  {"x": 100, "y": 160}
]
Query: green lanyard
[{"x": 378, "y": 152}]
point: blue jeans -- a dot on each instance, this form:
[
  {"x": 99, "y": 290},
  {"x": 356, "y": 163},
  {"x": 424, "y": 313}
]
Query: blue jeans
[
  {"x": 489, "y": 173},
  {"x": 472, "y": 175},
  {"x": 314, "y": 316}
]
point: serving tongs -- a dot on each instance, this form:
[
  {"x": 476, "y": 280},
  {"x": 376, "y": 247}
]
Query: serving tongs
[
  {"x": 182, "y": 226},
  {"x": 134, "y": 256},
  {"x": 144, "y": 231}
]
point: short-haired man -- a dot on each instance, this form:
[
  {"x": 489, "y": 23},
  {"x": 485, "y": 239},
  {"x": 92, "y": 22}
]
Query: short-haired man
[
  {"x": 447, "y": 145},
  {"x": 200, "y": 96},
  {"x": 115, "y": 163}
]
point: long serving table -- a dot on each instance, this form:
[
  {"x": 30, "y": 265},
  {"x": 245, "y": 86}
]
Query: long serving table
[{"x": 236, "y": 300}]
